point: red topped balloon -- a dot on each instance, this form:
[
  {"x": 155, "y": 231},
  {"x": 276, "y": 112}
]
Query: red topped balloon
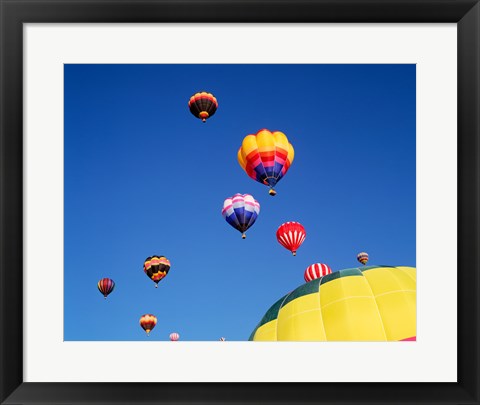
[
  {"x": 106, "y": 286},
  {"x": 291, "y": 235},
  {"x": 316, "y": 270}
]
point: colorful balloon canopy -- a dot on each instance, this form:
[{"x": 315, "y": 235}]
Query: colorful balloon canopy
[
  {"x": 174, "y": 336},
  {"x": 241, "y": 211},
  {"x": 360, "y": 304},
  {"x": 106, "y": 286},
  {"x": 291, "y": 235},
  {"x": 266, "y": 157},
  {"x": 315, "y": 271},
  {"x": 156, "y": 268},
  {"x": 148, "y": 322},
  {"x": 362, "y": 257},
  {"x": 203, "y": 105}
]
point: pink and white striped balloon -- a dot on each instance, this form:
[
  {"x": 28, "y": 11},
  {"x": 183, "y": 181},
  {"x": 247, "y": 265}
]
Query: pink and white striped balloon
[
  {"x": 316, "y": 270},
  {"x": 174, "y": 336}
]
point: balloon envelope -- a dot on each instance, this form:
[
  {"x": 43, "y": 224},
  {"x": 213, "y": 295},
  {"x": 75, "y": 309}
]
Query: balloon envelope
[
  {"x": 106, "y": 286},
  {"x": 156, "y": 268},
  {"x": 266, "y": 157},
  {"x": 316, "y": 270},
  {"x": 362, "y": 257},
  {"x": 360, "y": 304},
  {"x": 291, "y": 235},
  {"x": 148, "y": 322},
  {"x": 203, "y": 105},
  {"x": 241, "y": 211}
]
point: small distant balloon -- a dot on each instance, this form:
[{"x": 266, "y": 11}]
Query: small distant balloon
[
  {"x": 148, "y": 322},
  {"x": 316, "y": 270},
  {"x": 156, "y": 268},
  {"x": 362, "y": 257},
  {"x": 241, "y": 211},
  {"x": 106, "y": 286},
  {"x": 203, "y": 105},
  {"x": 222, "y": 339},
  {"x": 174, "y": 336},
  {"x": 291, "y": 235}
]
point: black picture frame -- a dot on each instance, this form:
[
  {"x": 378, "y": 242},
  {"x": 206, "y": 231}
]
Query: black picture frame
[{"x": 14, "y": 13}]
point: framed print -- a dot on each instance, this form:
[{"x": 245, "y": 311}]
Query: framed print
[{"x": 236, "y": 202}]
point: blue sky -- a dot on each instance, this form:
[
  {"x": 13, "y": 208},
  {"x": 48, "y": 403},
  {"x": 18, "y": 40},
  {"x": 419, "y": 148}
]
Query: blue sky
[{"x": 143, "y": 176}]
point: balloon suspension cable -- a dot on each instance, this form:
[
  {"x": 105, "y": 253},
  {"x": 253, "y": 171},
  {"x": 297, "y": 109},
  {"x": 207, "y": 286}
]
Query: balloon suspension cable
[
  {"x": 243, "y": 235},
  {"x": 294, "y": 253},
  {"x": 272, "y": 192}
]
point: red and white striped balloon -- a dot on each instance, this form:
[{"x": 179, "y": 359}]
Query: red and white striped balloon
[
  {"x": 174, "y": 336},
  {"x": 291, "y": 235},
  {"x": 316, "y": 270}
]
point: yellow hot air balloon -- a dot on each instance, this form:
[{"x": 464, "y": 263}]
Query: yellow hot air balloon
[
  {"x": 360, "y": 304},
  {"x": 266, "y": 157}
]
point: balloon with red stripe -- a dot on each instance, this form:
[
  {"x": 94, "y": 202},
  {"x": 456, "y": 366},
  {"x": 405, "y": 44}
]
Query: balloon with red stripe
[
  {"x": 156, "y": 268},
  {"x": 362, "y": 257},
  {"x": 106, "y": 286},
  {"x": 291, "y": 235},
  {"x": 203, "y": 105},
  {"x": 316, "y": 270},
  {"x": 148, "y": 322},
  {"x": 174, "y": 336},
  {"x": 266, "y": 157}
]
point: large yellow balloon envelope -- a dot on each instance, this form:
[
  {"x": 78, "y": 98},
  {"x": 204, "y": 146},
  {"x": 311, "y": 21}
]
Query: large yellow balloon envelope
[
  {"x": 266, "y": 157},
  {"x": 360, "y": 304}
]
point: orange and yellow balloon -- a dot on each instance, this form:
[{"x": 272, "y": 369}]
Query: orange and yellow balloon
[
  {"x": 148, "y": 322},
  {"x": 266, "y": 157}
]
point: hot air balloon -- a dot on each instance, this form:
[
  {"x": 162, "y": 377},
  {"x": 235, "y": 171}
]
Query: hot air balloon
[
  {"x": 174, "y": 336},
  {"x": 241, "y": 211},
  {"x": 362, "y": 257},
  {"x": 266, "y": 157},
  {"x": 156, "y": 267},
  {"x": 291, "y": 235},
  {"x": 315, "y": 271},
  {"x": 222, "y": 339},
  {"x": 106, "y": 286},
  {"x": 203, "y": 105},
  {"x": 359, "y": 304},
  {"x": 148, "y": 322}
]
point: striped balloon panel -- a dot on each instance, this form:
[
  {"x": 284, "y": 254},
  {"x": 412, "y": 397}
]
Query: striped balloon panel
[
  {"x": 106, "y": 286},
  {"x": 203, "y": 102},
  {"x": 148, "y": 322},
  {"x": 315, "y": 271},
  {"x": 156, "y": 267},
  {"x": 362, "y": 257},
  {"x": 266, "y": 156},
  {"x": 174, "y": 336},
  {"x": 377, "y": 303},
  {"x": 241, "y": 211},
  {"x": 291, "y": 235}
]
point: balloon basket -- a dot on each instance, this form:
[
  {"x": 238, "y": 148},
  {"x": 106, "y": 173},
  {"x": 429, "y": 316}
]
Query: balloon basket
[
  {"x": 272, "y": 192},
  {"x": 294, "y": 253},
  {"x": 244, "y": 236}
]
